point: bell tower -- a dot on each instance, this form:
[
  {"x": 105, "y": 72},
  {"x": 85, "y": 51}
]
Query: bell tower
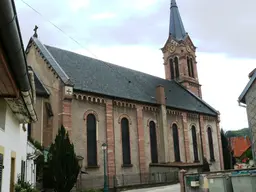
[{"x": 179, "y": 54}]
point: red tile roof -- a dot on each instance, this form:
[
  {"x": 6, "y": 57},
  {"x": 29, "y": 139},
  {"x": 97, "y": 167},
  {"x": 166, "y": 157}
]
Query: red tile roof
[{"x": 239, "y": 145}]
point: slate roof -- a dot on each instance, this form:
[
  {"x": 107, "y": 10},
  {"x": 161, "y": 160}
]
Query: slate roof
[
  {"x": 176, "y": 28},
  {"x": 95, "y": 76},
  {"x": 241, "y": 98},
  {"x": 40, "y": 89}
]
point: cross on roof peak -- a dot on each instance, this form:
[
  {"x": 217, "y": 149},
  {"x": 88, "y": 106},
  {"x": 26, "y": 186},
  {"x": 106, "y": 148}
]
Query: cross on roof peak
[{"x": 35, "y": 31}]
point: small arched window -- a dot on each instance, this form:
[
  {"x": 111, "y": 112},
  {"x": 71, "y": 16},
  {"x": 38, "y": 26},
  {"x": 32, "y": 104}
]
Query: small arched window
[
  {"x": 126, "y": 141},
  {"x": 91, "y": 140},
  {"x": 177, "y": 72},
  {"x": 189, "y": 68},
  {"x": 153, "y": 142},
  {"x": 175, "y": 135},
  {"x": 194, "y": 139},
  {"x": 192, "y": 68},
  {"x": 210, "y": 143},
  {"x": 172, "y": 68}
]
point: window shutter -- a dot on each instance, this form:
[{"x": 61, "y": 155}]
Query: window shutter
[
  {"x": 22, "y": 170},
  {"x": 1, "y": 169}
]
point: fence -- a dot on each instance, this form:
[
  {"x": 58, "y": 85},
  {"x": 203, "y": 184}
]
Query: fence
[{"x": 128, "y": 180}]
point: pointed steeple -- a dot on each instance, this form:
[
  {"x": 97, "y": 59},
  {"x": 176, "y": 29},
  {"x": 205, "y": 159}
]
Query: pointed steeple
[{"x": 176, "y": 28}]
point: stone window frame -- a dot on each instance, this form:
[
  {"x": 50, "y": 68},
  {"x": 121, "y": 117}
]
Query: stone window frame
[
  {"x": 157, "y": 138},
  {"x": 191, "y": 134},
  {"x": 211, "y": 147},
  {"x": 88, "y": 112},
  {"x": 190, "y": 66},
  {"x": 129, "y": 124},
  {"x": 178, "y": 132},
  {"x": 173, "y": 65}
]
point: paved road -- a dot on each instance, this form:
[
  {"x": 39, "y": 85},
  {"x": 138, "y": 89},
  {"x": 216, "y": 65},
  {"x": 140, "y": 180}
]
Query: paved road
[{"x": 169, "y": 188}]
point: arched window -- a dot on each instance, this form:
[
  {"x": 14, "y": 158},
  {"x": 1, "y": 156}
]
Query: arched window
[
  {"x": 194, "y": 139},
  {"x": 189, "y": 68},
  {"x": 153, "y": 142},
  {"x": 172, "y": 68},
  {"x": 126, "y": 141},
  {"x": 176, "y": 144},
  {"x": 192, "y": 68},
  {"x": 210, "y": 142},
  {"x": 177, "y": 72},
  {"x": 91, "y": 140}
]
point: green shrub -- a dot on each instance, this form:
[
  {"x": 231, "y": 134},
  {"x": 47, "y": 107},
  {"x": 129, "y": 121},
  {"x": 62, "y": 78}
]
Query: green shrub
[
  {"x": 63, "y": 163},
  {"x": 23, "y": 186}
]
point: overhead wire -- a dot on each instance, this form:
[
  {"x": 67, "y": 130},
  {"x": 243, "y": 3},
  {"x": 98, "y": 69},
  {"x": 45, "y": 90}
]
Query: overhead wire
[{"x": 79, "y": 44}]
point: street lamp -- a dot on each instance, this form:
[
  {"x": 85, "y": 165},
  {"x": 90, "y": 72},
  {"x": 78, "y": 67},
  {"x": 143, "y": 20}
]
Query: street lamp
[{"x": 104, "y": 149}]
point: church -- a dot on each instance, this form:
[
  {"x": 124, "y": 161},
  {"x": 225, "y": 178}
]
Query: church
[{"x": 146, "y": 121}]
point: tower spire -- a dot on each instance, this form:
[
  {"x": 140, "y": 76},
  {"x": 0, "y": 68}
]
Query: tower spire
[{"x": 176, "y": 28}]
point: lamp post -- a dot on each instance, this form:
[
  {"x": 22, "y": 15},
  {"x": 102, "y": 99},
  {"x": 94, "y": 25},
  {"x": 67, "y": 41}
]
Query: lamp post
[{"x": 104, "y": 149}]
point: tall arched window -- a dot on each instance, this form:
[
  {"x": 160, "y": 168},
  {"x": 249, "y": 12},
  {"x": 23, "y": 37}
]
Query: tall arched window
[
  {"x": 210, "y": 142},
  {"x": 172, "y": 68},
  {"x": 189, "y": 68},
  {"x": 177, "y": 72},
  {"x": 194, "y": 139},
  {"x": 91, "y": 140},
  {"x": 153, "y": 142},
  {"x": 192, "y": 68},
  {"x": 176, "y": 143},
  {"x": 126, "y": 141}
]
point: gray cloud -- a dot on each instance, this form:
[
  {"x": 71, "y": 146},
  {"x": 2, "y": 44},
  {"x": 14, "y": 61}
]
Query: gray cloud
[{"x": 221, "y": 26}]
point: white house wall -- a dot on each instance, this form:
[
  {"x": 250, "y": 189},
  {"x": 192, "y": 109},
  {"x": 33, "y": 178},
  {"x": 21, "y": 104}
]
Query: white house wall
[
  {"x": 30, "y": 165},
  {"x": 13, "y": 141}
]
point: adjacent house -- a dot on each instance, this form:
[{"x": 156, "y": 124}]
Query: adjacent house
[
  {"x": 240, "y": 145},
  {"x": 248, "y": 99},
  {"x": 16, "y": 98},
  {"x": 148, "y": 122}
]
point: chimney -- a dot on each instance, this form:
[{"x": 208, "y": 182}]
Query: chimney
[
  {"x": 251, "y": 74},
  {"x": 160, "y": 95}
]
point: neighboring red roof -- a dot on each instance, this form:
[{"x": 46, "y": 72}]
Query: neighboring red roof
[{"x": 239, "y": 145}]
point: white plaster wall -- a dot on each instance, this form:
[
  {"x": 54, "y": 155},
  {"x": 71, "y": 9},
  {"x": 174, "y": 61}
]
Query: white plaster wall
[
  {"x": 30, "y": 165},
  {"x": 12, "y": 138}
]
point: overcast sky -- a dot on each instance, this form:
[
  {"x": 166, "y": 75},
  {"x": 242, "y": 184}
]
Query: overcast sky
[{"x": 131, "y": 32}]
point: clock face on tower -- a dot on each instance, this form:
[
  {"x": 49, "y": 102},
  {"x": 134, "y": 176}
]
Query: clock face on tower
[
  {"x": 171, "y": 48},
  {"x": 188, "y": 48}
]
